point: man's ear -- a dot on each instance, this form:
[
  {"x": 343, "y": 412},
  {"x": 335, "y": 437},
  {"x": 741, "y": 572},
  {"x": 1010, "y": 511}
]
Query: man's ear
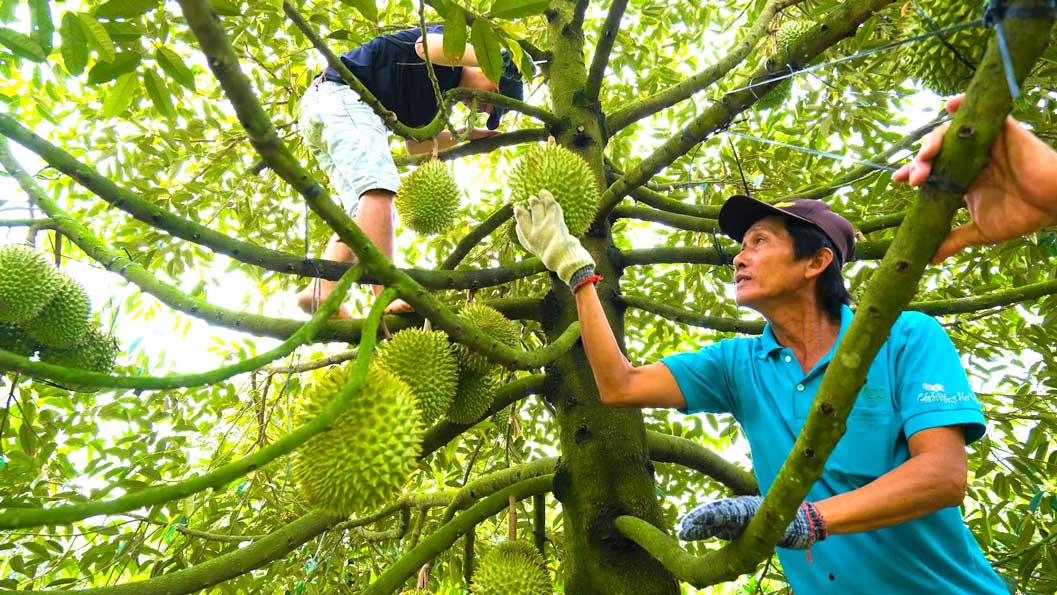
[{"x": 819, "y": 263}]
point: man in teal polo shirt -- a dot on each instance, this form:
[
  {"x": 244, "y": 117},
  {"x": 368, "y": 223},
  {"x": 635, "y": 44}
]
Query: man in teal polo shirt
[{"x": 884, "y": 516}]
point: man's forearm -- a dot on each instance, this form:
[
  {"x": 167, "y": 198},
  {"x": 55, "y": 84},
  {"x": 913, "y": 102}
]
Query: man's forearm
[
  {"x": 608, "y": 363},
  {"x": 443, "y": 140},
  {"x": 922, "y": 485}
]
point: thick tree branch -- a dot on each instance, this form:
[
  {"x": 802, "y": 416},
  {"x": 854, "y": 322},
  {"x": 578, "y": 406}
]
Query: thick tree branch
[
  {"x": 964, "y": 153},
  {"x": 841, "y": 22},
  {"x": 659, "y": 201},
  {"x": 224, "y": 64},
  {"x": 666, "y": 448},
  {"x": 865, "y": 250},
  {"x": 687, "y": 88},
  {"x": 719, "y": 323},
  {"x": 606, "y": 37},
  {"x": 14, "y": 518},
  {"x": 445, "y": 536},
  {"x": 219, "y": 569},
  {"x": 477, "y": 147}
]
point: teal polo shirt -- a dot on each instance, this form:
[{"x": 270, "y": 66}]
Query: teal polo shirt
[{"x": 915, "y": 383}]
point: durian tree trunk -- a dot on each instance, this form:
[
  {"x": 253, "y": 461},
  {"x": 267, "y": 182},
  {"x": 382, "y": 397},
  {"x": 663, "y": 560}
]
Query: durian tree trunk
[{"x": 605, "y": 469}]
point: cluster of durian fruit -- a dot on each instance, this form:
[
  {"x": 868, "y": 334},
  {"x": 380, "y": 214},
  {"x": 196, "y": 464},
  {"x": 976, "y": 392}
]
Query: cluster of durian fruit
[
  {"x": 416, "y": 378},
  {"x": 429, "y": 196},
  {"x": 46, "y": 312}
]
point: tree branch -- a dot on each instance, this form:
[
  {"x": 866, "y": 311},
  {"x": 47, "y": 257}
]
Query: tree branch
[
  {"x": 14, "y": 518},
  {"x": 484, "y": 145},
  {"x": 472, "y": 239},
  {"x": 217, "y": 570},
  {"x": 659, "y": 201},
  {"x": 445, "y": 431},
  {"x": 687, "y": 88},
  {"x": 841, "y": 22},
  {"x": 666, "y": 448},
  {"x": 727, "y": 325},
  {"x": 606, "y": 37},
  {"x": 865, "y": 250},
  {"x": 686, "y": 222},
  {"x": 445, "y": 536}
]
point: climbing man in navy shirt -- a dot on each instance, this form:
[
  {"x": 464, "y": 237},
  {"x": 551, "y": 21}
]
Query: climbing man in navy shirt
[
  {"x": 884, "y": 517},
  {"x": 351, "y": 142}
]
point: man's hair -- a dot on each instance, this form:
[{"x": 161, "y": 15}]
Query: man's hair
[{"x": 830, "y": 289}]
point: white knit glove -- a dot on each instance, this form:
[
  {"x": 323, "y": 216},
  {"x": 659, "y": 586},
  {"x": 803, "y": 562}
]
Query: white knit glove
[{"x": 542, "y": 231}]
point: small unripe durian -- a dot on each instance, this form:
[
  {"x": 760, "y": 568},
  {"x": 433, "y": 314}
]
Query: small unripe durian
[
  {"x": 425, "y": 361},
  {"x": 27, "y": 283},
  {"x": 428, "y": 198},
  {"x": 568, "y": 178},
  {"x": 64, "y": 321},
  {"x": 512, "y": 568}
]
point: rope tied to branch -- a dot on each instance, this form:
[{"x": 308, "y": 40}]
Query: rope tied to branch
[{"x": 994, "y": 15}]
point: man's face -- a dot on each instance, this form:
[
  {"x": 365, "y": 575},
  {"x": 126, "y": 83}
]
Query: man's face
[{"x": 765, "y": 270}]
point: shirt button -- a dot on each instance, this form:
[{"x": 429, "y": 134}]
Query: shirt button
[
  {"x": 788, "y": 359},
  {"x": 800, "y": 387}
]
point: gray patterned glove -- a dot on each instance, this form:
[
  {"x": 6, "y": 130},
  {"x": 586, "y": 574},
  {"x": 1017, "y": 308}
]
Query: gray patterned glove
[{"x": 728, "y": 518}]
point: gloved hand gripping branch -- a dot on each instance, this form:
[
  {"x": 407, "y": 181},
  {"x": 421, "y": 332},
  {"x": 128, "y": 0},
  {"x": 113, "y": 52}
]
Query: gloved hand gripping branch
[{"x": 728, "y": 518}]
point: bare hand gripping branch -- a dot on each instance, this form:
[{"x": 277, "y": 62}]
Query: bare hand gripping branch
[{"x": 965, "y": 152}]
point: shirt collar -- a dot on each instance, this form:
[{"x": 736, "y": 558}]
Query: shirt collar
[{"x": 769, "y": 344}]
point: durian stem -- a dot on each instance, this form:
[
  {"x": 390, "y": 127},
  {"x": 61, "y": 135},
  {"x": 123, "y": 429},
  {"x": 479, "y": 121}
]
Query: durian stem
[
  {"x": 468, "y": 556},
  {"x": 539, "y": 522},
  {"x": 511, "y": 520},
  {"x": 964, "y": 153},
  {"x": 34, "y": 517},
  {"x": 445, "y": 536},
  {"x": 685, "y": 89},
  {"x": 841, "y": 22}
]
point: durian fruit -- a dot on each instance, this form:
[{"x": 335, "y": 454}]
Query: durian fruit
[
  {"x": 96, "y": 352},
  {"x": 566, "y": 175},
  {"x": 492, "y": 323},
  {"x": 367, "y": 456},
  {"x": 473, "y": 397},
  {"x": 932, "y": 61},
  {"x": 511, "y": 568},
  {"x": 27, "y": 283},
  {"x": 425, "y": 361},
  {"x": 64, "y": 321},
  {"x": 788, "y": 35},
  {"x": 428, "y": 198},
  {"x": 13, "y": 339}
]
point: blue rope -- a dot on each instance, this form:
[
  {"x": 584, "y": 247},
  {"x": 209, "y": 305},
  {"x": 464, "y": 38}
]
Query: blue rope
[
  {"x": 994, "y": 15},
  {"x": 834, "y": 156}
]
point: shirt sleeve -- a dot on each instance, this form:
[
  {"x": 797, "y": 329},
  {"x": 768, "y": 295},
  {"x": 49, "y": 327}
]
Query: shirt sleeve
[
  {"x": 932, "y": 389},
  {"x": 704, "y": 378}
]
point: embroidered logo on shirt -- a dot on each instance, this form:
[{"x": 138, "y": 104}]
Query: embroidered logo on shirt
[
  {"x": 936, "y": 393},
  {"x": 872, "y": 394}
]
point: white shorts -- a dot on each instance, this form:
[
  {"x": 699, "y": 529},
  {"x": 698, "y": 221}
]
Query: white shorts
[{"x": 349, "y": 140}]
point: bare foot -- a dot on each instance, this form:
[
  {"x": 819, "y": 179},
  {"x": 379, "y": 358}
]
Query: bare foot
[
  {"x": 399, "y": 306},
  {"x": 309, "y": 299}
]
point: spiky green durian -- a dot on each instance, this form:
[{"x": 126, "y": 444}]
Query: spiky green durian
[
  {"x": 13, "y": 339},
  {"x": 492, "y": 323},
  {"x": 27, "y": 283},
  {"x": 63, "y": 322},
  {"x": 787, "y": 36},
  {"x": 96, "y": 352},
  {"x": 566, "y": 175},
  {"x": 426, "y": 362},
  {"x": 428, "y": 198},
  {"x": 473, "y": 397},
  {"x": 512, "y": 568},
  {"x": 367, "y": 456},
  {"x": 944, "y": 64}
]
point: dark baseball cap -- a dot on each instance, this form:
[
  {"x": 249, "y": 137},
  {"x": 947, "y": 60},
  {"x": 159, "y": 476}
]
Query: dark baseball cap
[
  {"x": 740, "y": 212},
  {"x": 510, "y": 84}
]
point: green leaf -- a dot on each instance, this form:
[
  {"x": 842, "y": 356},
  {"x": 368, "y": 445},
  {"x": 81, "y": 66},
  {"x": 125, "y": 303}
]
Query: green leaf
[
  {"x": 159, "y": 94},
  {"x": 98, "y": 38},
  {"x": 226, "y": 8},
  {"x": 41, "y": 24},
  {"x": 367, "y": 8},
  {"x": 74, "y": 44},
  {"x": 21, "y": 45},
  {"x": 125, "y": 9},
  {"x": 516, "y": 9},
  {"x": 7, "y": 10},
  {"x": 486, "y": 46},
  {"x": 455, "y": 34},
  {"x": 174, "y": 66},
  {"x": 120, "y": 95},
  {"x": 124, "y": 63}
]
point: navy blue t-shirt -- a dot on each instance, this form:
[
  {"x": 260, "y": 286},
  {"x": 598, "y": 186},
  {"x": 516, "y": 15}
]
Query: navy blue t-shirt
[{"x": 391, "y": 69}]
